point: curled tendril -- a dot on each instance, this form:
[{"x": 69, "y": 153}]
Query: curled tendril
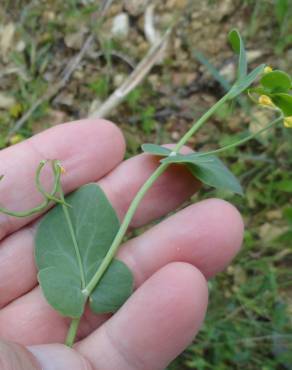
[
  {"x": 58, "y": 170},
  {"x": 48, "y": 197}
]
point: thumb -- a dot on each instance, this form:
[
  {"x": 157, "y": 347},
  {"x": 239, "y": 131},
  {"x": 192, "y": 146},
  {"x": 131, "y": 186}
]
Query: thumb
[
  {"x": 16, "y": 357},
  {"x": 43, "y": 357}
]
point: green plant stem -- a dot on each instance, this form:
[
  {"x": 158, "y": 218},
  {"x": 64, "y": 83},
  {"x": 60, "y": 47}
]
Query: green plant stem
[
  {"x": 140, "y": 195},
  {"x": 123, "y": 228},
  {"x": 244, "y": 140},
  {"x": 72, "y": 332},
  {"x": 200, "y": 123},
  {"x": 138, "y": 198},
  {"x": 73, "y": 237}
]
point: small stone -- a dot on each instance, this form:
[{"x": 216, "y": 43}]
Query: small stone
[
  {"x": 224, "y": 9},
  {"x": 253, "y": 55},
  {"x": 20, "y": 46},
  {"x": 64, "y": 98},
  {"x": 6, "y": 101},
  {"x": 274, "y": 214},
  {"x": 96, "y": 103},
  {"x": 119, "y": 78},
  {"x": 175, "y": 135},
  {"x": 6, "y": 39},
  {"x": 121, "y": 26},
  {"x": 136, "y": 7},
  {"x": 48, "y": 15},
  {"x": 115, "y": 9},
  {"x": 228, "y": 71},
  {"x": 143, "y": 47},
  {"x": 78, "y": 74},
  {"x": 178, "y": 4},
  {"x": 75, "y": 40}
]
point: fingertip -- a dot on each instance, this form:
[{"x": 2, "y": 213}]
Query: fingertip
[
  {"x": 86, "y": 133},
  {"x": 114, "y": 132},
  {"x": 102, "y": 130},
  {"x": 227, "y": 227},
  {"x": 190, "y": 290},
  {"x": 232, "y": 219}
]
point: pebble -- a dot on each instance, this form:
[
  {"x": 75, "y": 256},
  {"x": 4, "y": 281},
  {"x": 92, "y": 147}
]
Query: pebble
[
  {"x": 136, "y": 7},
  {"x": 120, "y": 26}
]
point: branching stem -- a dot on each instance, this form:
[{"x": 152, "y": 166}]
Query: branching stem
[
  {"x": 140, "y": 195},
  {"x": 244, "y": 140}
]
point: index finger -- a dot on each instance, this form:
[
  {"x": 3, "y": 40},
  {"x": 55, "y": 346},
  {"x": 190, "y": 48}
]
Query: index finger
[{"x": 88, "y": 149}]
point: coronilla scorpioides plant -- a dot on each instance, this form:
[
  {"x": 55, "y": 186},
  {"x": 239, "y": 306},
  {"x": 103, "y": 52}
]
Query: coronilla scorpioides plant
[{"x": 77, "y": 241}]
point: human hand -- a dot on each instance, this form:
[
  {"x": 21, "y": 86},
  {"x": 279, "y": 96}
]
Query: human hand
[{"x": 170, "y": 262}]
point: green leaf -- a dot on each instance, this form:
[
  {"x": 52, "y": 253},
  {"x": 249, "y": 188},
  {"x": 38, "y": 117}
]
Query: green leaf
[
  {"x": 259, "y": 90},
  {"x": 284, "y": 102},
  {"x": 114, "y": 288},
  {"x": 62, "y": 291},
  {"x": 238, "y": 47},
  {"x": 61, "y": 272},
  {"x": 244, "y": 83},
  {"x": 276, "y": 81},
  {"x": 209, "y": 170},
  {"x": 155, "y": 150}
]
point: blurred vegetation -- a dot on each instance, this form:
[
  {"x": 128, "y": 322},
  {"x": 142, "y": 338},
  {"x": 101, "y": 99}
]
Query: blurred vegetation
[{"x": 249, "y": 321}]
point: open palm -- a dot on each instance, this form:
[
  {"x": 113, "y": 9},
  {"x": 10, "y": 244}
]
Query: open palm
[{"x": 170, "y": 261}]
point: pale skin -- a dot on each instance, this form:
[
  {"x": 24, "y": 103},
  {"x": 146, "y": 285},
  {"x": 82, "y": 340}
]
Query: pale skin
[{"x": 171, "y": 262}]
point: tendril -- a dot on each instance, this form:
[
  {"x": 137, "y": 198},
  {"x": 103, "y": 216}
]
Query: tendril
[
  {"x": 48, "y": 197},
  {"x": 58, "y": 170}
]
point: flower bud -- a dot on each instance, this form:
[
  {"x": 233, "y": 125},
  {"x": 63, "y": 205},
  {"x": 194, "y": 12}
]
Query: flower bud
[
  {"x": 265, "y": 100},
  {"x": 268, "y": 69},
  {"x": 288, "y": 122}
]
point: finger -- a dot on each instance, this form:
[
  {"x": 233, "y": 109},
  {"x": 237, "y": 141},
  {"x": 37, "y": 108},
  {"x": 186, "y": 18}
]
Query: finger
[
  {"x": 207, "y": 235},
  {"x": 79, "y": 146},
  {"x": 16, "y": 357},
  {"x": 171, "y": 189},
  {"x": 155, "y": 324},
  {"x": 147, "y": 333}
]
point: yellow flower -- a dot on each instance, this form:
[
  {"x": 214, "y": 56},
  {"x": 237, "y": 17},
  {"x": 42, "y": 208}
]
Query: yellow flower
[
  {"x": 268, "y": 69},
  {"x": 15, "y": 110},
  {"x": 15, "y": 139},
  {"x": 62, "y": 169},
  {"x": 288, "y": 122},
  {"x": 265, "y": 100}
]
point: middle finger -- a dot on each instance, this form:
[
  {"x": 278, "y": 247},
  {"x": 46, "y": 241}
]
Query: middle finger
[
  {"x": 121, "y": 185},
  {"x": 206, "y": 234}
]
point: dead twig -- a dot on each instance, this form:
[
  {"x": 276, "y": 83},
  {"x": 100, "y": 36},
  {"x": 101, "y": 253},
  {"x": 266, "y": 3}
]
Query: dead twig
[
  {"x": 104, "y": 8},
  {"x": 151, "y": 33},
  {"x": 113, "y": 53},
  {"x": 151, "y": 58}
]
